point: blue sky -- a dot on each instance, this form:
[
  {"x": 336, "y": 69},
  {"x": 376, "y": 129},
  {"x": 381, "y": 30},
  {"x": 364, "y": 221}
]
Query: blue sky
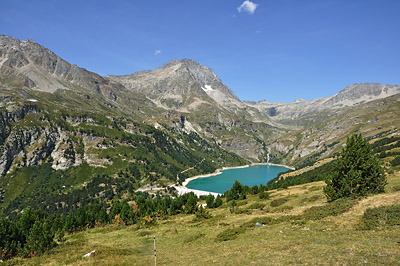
[{"x": 278, "y": 50}]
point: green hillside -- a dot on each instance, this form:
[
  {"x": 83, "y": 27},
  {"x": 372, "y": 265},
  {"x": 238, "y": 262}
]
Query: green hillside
[
  {"x": 299, "y": 228},
  {"x": 92, "y": 147}
]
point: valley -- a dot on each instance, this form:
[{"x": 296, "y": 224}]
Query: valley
[
  {"x": 74, "y": 143},
  {"x": 72, "y": 126}
]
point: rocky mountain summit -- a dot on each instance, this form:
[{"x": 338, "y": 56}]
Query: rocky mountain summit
[
  {"x": 183, "y": 85},
  {"x": 26, "y": 64}
]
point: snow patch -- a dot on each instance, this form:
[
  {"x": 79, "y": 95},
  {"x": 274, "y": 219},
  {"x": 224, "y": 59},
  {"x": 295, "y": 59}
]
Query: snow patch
[
  {"x": 32, "y": 100},
  {"x": 208, "y": 88}
]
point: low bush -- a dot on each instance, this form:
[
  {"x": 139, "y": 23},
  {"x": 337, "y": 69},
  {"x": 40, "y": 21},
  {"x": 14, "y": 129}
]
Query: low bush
[
  {"x": 278, "y": 202},
  {"x": 331, "y": 209},
  {"x": 144, "y": 233},
  {"x": 242, "y": 211},
  {"x": 396, "y": 188},
  {"x": 229, "y": 234},
  {"x": 395, "y": 161},
  {"x": 202, "y": 214},
  {"x": 194, "y": 237},
  {"x": 282, "y": 209},
  {"x": 313, "y": 198},
  {"x": 257, "y": 205},
  {"x": 314, "y": 188},
  {"x": 380, "y": 217}
]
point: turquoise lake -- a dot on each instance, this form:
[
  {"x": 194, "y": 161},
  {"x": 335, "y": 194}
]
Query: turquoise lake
[{"x": 250, "y": 176}]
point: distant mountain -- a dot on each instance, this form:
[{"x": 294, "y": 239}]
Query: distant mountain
[
  {"x": 362, "y": 93},
  {"x": 26, "y": 64},
  {"x": 349, "y": 97}
]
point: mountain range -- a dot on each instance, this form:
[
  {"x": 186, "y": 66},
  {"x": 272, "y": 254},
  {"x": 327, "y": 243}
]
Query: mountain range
[{"x": 155, "y": 124}]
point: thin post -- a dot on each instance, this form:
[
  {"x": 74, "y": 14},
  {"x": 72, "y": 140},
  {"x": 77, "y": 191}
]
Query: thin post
[{"x": 155, "y": 252}]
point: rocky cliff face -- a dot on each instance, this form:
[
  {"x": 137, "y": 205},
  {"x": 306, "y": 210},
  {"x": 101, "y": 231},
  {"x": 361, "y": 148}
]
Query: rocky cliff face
[{"x": 15, "y": 139}]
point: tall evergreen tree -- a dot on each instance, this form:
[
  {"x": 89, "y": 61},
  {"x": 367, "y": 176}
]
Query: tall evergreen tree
[{"x": 357, "y": 172}]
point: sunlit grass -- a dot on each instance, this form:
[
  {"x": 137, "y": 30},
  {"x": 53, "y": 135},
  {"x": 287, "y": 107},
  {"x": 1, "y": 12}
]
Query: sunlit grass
[{"x": 233, "y": 239}]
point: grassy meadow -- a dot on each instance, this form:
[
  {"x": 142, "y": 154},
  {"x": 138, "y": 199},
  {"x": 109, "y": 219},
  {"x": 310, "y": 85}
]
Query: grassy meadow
[{"x": 296, "y": 230}]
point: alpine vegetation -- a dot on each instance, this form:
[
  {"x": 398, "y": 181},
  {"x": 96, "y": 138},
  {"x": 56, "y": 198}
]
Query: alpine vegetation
[{"x": 357, "y": 172}]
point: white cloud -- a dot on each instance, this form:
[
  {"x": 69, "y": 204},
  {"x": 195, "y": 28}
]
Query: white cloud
[
  {"x": 248, "y": 7},
  {"x": 157, "y": 52}
]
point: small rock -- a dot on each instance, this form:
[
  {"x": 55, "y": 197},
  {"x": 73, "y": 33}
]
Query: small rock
[{"x": 91, "y": 253}]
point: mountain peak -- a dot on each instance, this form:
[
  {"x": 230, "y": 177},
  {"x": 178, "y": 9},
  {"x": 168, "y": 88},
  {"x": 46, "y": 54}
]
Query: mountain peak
[
  {"x": 171, "y": 63},
  {"x": 40, "y": 69},
  {"x": 363, "y": 92}
]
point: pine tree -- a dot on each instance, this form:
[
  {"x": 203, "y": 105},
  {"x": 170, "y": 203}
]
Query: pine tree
[
  {"x": 357, "y": 172},
  {"x": 218, "y": 201},
  {"x": 40, "y": 238},
  {"x": 191, "y": 203},
  {"x": 210, "y": 201}
]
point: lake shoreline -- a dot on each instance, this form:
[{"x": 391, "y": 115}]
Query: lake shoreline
[{"x": 183, "y": 189}]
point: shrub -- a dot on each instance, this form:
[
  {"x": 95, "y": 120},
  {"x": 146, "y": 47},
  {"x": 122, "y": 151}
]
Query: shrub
[
  {"x": 278, "y": 202},
  {"x": 283, "y": 209},
  {"x": 202, "y": 214},
  {"x": 263, "y": 195},
  {"x": 232, "y": 206},
  {"x": 331, "y": 209},
  {"x": 395, "y": 161},
  {"x": 194, "y": 237},
  {"x": 229, "y": 234},
  {"x": 396, "y": 188},
  {"x": 257, "y": 205},
  {"x": 242, "y": 211},
  {"x": 381, "y": 216},
  {"x": 313, "y": 198}
]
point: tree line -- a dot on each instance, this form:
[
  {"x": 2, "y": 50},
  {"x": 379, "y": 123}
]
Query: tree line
[{"x": 33, "y": 232}]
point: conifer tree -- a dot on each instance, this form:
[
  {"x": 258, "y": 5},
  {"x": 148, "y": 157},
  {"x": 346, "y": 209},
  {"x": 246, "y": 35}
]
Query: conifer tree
[
  {"x": 210, "y": 201},
  {"x": 218, "y": 201},
  {"x": 357, "y": 172}
]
